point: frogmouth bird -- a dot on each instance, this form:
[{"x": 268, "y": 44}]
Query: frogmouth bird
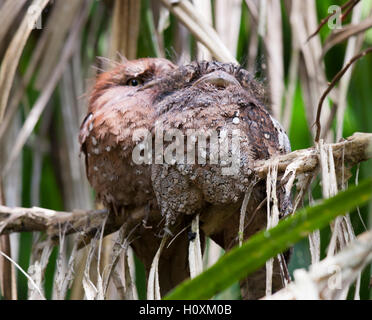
[{"x": 164, "y": 143}]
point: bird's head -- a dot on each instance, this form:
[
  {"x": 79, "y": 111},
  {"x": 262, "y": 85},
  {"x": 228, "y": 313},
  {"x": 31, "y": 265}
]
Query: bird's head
[
  {"x": 119, "y": 92},
  {"x": 199, "y": 80},
  {"x": 126, "y": 78}
]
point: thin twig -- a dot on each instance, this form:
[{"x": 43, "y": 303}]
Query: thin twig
[
  {"x": 25, "y": 273},
  {"x": 348, "y": 6},
  {"x": 331, "y": 86},
  {"x": 353, "y": 4}
]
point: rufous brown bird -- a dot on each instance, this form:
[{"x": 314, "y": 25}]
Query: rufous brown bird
[
  {"x": 116, "y": 109},
  {"x": 174, "y": 109}
]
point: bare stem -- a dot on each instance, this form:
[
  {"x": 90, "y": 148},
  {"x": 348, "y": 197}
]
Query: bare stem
[{"x": 331, "y": 86}]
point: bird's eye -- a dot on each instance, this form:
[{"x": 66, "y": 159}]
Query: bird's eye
[{"x": 133, "y": 82}]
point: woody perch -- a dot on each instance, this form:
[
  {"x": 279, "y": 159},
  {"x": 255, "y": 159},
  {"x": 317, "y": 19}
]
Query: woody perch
[{"x": 163, "y": 143}]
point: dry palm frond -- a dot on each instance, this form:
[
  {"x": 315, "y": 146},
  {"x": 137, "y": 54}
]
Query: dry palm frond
[
  {"x": 272, "y": 217},
  {"x": 195, "y": 253},
  {"x": 9, "y": 11},
  {"x": 75, "y": 185},
  {"x": 58, "y": 26},
  {"x": 39, "y": 260},
  {"x": 14, "y": 51},
  {"x": 7, "y": 276},
  {"x": 312, "y": 73},
  {"x": 31, "y": 281},
  {"x": 182, "y": 44},
  {"x": 354, "y": 45},
  {"x": 347, "y": 7},
  {"x": 273, "y": 39},
  {"x": 153, "y": 286},
  {"x": 201, "y": 30},
  {"x": 254, "y": 37},
  {"x": 332, "y": 277},
  {"x": 125, "y": 28},
  {"x": 228, "y": 25},
  {"x": 243, "y": 210},
  {"x": 331, "y": 86},
  {"x": 346, "y": 32},
  {"x": 65, "y": 269},
  {"x": 295, "y": 15},
  {"x": 20, "y": 90},
  {"x": 40, "y": 104},
  {"x": 205, "y": 8}
]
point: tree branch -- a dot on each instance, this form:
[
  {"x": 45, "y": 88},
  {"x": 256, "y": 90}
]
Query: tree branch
[
  {"x": 39, "y": 219},
  {"x": 353, "y": 150}
]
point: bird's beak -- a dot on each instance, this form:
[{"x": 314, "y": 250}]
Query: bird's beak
[{"x": 219, "y": 79}]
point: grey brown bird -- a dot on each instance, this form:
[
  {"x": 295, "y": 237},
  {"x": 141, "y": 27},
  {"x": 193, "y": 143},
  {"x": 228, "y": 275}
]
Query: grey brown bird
[{"x": 203, "y": 97}]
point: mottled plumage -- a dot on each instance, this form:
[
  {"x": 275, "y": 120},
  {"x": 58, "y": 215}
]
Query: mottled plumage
[
  {"x": 199, "y": 96},
  {"x": 213, "y": 96},
  {"x": 116, "y": 108}
]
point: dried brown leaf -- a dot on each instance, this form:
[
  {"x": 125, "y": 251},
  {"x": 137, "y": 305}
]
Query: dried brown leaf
[{"x": 14, "y": 51}]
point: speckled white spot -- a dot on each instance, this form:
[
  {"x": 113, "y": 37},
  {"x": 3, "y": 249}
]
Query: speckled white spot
[
  {"x": 267, "y": 136},
  {"x": 96, "y": 150},
  {"x": 95, "y": 168},
  {"x": 94, "y": 141},
  {"x": 108, "y": 148},
  {"x": 282, "y": 137},
  {"x": 90, "y": 127},
  {"x": 236, "y": 120}
]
